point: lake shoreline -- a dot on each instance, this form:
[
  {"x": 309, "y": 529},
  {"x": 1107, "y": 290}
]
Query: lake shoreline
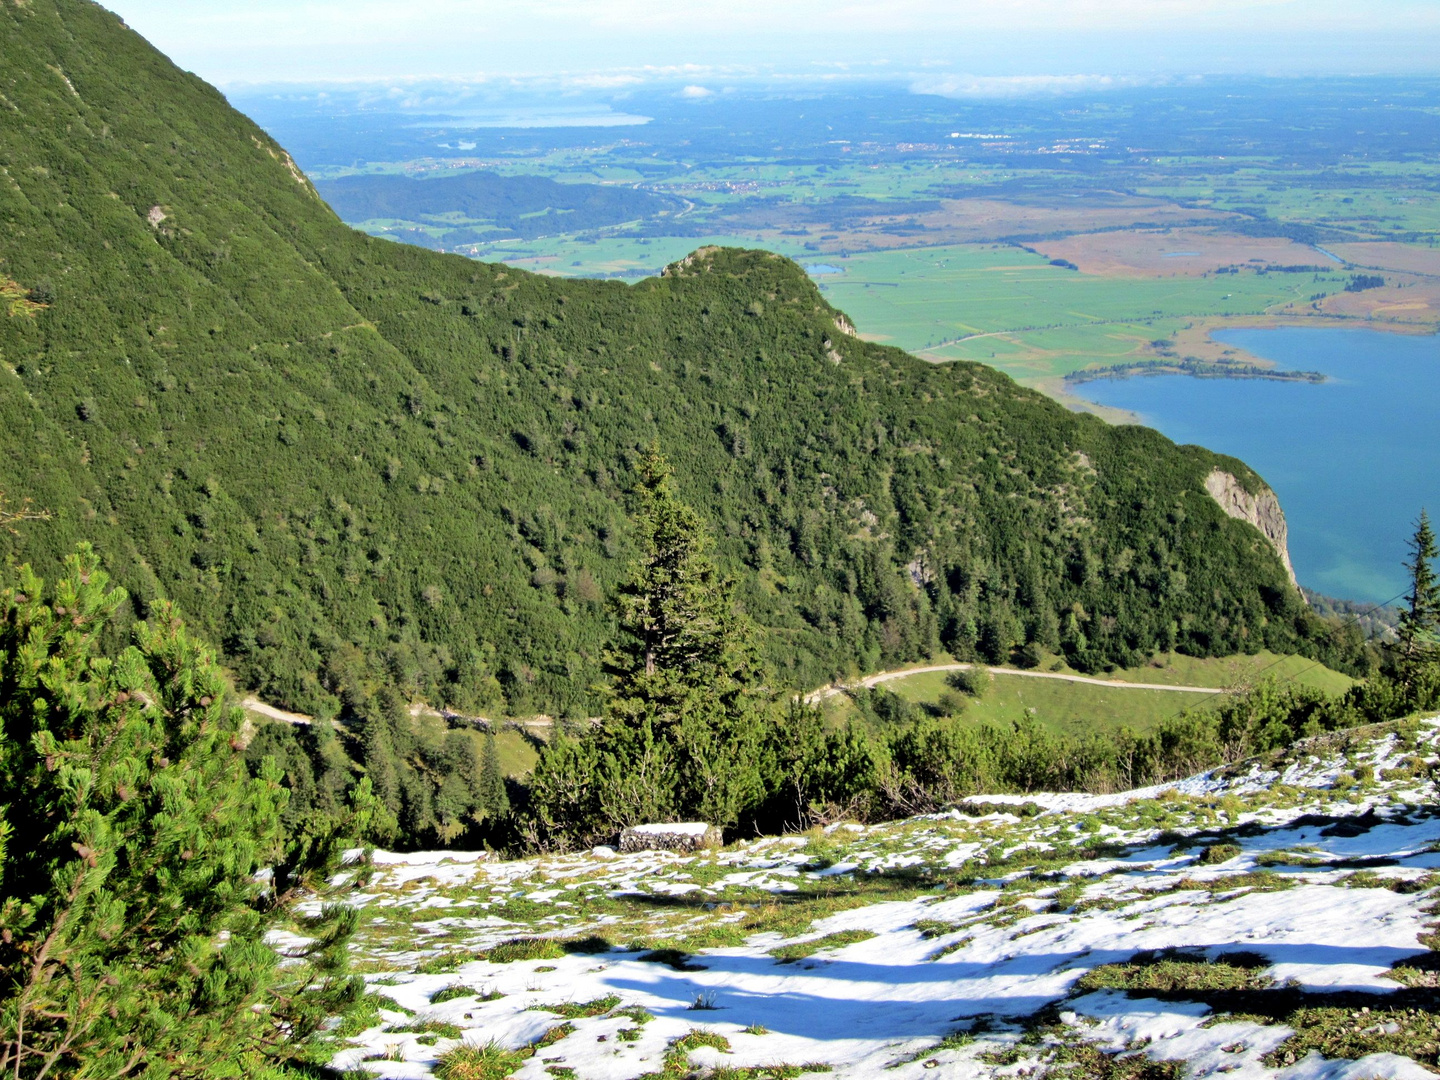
[
  {"x": 1197, "y": 338},
  {"x": 1348, "y": 457}
]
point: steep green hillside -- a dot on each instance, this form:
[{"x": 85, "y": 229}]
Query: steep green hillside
[{"x": 353, "y": 462}]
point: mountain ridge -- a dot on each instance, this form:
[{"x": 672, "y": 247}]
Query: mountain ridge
[{"x": 354, "y": 462}]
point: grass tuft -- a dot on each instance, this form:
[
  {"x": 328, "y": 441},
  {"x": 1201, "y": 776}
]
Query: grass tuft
[
  {"x": 450, "y": 993},
  {"x": 1173, "y": 971},
  {"x": 1218, "y": 853},
  {"x": 695, "y": 1038},
  {"x": 508, "y": 952},
  {"x": 489, "y": 1062},
  {"x": 574, "y": 1010},
  {"x": 787, "y": 954}
]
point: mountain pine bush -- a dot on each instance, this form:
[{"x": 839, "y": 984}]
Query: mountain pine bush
[{"x": 132, "y": 929}]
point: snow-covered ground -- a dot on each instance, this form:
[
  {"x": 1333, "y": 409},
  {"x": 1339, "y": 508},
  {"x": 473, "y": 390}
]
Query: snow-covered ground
[{"x": 1069, "y": 935}]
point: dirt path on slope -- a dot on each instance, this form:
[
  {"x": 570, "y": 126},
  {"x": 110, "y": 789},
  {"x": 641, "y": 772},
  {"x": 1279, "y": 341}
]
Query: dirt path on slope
[
  {"x": 255, "y": 705},
  {"x": 886, "y": 676}
]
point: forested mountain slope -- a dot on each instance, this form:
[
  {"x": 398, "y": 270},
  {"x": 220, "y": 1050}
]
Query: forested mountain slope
[{"x": 353, "y": 462}]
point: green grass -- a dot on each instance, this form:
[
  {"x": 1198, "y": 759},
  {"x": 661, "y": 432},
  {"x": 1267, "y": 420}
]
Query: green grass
[
  {"x": 934, "y": 928},
  {"x": 509, "y": 952},
  {"x": 574, "y": 1010},
  {"x": 1234, "y": 971},
  {"x": 1225, "y": 671},
  {"x": 923, "y": 298},
  {"x": 801, "y": 949},
  {"x": 517, "y": 754},
  {"x": 1082, "y": 708},
  {"x": 489, "y": 1062},
  {"x": 694, "y": 1039},
  {"x": 1071, "y": 708},
  {"x": 1218, "y": 853}
]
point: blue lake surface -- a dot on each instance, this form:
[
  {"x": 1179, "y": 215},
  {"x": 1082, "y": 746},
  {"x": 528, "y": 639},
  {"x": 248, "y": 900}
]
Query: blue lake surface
[{"x": 1353, "y": 459}]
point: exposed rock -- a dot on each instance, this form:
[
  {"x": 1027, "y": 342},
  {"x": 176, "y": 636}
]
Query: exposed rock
[
  {"x": 690, "y": 262},
  {"x": 920, "y": 571},
  {"x": 844, "y": 325},
  {"x": 671, "y": 836},
  {"x": 1262, "y": 510}
]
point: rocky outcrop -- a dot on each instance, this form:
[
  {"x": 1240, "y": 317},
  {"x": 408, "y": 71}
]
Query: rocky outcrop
[
  {"x": 1261, "y": 510},
  {"x": 673, "y": 836}
]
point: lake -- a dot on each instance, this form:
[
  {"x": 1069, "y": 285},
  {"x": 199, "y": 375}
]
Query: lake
[{"x": 1352, "y": 459}]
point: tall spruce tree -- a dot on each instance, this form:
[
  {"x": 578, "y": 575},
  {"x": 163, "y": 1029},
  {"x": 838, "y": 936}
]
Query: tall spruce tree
[
  {"x": 134, "y": 836},
  {"x": 494, "y": 800},
  {"x": 1418, "y": 632},
  {"x": 690, "y": 696}
]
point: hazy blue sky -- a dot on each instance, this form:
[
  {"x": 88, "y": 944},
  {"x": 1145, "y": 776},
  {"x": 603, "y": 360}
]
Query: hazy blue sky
[{"x": 944, "y": 41}]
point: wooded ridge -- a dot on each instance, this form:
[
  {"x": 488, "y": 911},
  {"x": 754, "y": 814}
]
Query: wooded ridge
[{"x": 355, "y": 463}]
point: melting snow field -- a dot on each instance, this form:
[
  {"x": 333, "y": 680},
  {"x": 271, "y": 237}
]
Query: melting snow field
[{"x": 1262, "y": 920}]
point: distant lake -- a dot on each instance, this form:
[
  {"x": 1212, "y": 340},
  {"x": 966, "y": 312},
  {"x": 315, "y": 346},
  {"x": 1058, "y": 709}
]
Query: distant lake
[{"x": 1352, "y": 459}]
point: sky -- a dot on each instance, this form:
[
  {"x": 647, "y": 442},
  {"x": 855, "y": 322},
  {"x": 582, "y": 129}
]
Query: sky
[{"x": 963, "y": 45}]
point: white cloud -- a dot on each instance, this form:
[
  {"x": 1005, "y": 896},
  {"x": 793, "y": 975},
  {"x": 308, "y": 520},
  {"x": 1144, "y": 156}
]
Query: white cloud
[
  {"x": 1006, "y": 86},
  {"x": 306, "y": 40},
  {"x": 696, "y": 92}
]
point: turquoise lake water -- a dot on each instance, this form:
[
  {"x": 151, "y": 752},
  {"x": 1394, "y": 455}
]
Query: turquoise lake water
[{"x": 1353, "y": 459}]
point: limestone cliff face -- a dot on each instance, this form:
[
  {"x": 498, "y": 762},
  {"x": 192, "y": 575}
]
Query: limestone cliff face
[{"x": 1262, "y": 510}]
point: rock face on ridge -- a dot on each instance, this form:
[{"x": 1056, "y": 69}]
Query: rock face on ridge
[{"x": 1261, "y": 510}]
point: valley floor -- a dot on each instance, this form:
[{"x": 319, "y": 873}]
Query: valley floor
[{"x": 1262, "y": 920}]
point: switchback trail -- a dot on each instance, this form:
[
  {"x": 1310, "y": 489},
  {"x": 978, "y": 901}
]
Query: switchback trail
[
  {"x": 255, "y": 705},
  {"x": 901, "y": 673}
]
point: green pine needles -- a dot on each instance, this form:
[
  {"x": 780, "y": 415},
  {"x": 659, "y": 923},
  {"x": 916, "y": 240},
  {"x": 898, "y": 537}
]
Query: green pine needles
[
  {"x": 690, "y": 699},
  {"x": 1418, "y": 632},
  {"x": 132, "y": 930}
]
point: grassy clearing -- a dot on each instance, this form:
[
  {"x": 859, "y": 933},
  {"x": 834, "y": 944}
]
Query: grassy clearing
[
  {"x": 1072, "y": 708},
  {"x": 1227, "y": 671},
  {"x": 516, "y": 753},
  {"x": 1081, "y": 708}
]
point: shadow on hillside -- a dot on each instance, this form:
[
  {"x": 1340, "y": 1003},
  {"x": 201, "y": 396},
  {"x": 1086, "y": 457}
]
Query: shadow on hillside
[
  {"x": 877, "y": 885},
  {"x": 845, "y": 999}
]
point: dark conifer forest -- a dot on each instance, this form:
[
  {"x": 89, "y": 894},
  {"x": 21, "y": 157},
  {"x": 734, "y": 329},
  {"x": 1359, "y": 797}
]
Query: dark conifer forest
[{"x": 355, "y": 464}]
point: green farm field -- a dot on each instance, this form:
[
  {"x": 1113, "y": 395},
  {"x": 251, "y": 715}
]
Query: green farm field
[
  {"x": 952, "y": 261},
  {"x": 994, "y": 304},
  {"x": 1007, "y": 307}
]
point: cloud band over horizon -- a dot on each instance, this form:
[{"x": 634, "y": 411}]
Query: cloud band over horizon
[{"x": 262, "y": 41}]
